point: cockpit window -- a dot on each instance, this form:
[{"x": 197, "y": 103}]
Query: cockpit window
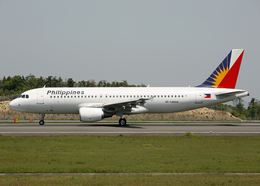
[{"x": 24, "y": 96}]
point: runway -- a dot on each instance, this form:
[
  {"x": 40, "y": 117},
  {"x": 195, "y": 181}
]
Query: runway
[{"x": 149, "y": 129}]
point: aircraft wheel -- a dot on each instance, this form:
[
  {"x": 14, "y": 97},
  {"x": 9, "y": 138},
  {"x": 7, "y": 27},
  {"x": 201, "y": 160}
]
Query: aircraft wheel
[
  {"x": 122, "y": 121},
  {"x": 41, "y": 122}
]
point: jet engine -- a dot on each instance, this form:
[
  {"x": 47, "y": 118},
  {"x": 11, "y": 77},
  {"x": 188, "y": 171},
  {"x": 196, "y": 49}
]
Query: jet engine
[{"x": 92, "y": 114}]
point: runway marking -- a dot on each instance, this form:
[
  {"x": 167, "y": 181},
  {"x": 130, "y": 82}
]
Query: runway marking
[
  {"x": 123, "y": 174},
  {"x": 129, "y": 132}
]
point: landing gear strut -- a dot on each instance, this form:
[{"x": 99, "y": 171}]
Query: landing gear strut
[
  {"x": 41, "y": 122},
  {"x": 122, "y": 121}
]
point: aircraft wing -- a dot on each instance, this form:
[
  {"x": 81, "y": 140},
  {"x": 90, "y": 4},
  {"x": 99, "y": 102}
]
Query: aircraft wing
[{"x": 127, "y": 103}]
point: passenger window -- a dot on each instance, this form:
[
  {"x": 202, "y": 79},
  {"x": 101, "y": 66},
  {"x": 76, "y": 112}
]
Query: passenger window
[
  {"x": 57, "y": 96},
  {"x": 50, "y": 96}
]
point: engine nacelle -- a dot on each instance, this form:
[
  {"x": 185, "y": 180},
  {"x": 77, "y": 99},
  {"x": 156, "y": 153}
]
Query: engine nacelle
[{"x": 92, "y": 114}]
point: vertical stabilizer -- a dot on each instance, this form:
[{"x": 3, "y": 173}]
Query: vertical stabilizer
[{"x": 225, "y": 75}]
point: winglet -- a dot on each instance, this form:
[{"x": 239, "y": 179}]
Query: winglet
[{"x": 225, "y": 75}]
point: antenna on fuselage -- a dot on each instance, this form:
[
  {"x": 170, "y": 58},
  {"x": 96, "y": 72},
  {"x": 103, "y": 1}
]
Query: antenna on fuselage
[{"x": 44, "y": 86}]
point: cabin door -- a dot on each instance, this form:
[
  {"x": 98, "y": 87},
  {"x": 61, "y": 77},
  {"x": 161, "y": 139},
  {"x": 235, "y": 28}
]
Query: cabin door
[
  {"x": 198, "y": 97},
  {"x": 40, "y": 99}
]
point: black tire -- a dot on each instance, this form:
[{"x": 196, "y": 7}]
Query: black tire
[
  {"x": 122, "y": 121},
  {"x": 41, "y": 122}
]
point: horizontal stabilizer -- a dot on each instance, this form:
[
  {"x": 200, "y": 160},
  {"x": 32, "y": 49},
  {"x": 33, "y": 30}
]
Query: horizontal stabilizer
[{"x": 239, "y": 93}]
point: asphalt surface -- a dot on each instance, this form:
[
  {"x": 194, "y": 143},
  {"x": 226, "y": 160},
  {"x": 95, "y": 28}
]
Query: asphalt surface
[{"x": 113, "y": 129}]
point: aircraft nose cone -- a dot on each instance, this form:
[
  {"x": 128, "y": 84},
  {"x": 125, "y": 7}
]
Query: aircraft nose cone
[{"x": 13, "y": 105}]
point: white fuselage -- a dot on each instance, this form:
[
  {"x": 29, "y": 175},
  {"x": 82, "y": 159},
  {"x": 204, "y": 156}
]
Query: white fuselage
[{"x": 66, "y": 100}]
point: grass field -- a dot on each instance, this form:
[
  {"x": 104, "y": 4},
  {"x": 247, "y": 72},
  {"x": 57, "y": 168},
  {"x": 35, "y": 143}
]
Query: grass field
[
  {"x": 132, "y": 180},
  {"x": 131, "y": 154}
]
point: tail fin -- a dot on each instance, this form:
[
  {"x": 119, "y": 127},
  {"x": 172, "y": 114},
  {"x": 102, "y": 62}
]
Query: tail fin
[{"x": 225, "y": 75}]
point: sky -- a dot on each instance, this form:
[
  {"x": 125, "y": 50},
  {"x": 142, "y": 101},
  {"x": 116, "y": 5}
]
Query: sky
[{"x": 157, "y": 43}]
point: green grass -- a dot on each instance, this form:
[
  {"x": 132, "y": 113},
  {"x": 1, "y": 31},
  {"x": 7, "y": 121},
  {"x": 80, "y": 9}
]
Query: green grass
[
  {"x": 133, "y": 154},
  {"x": 132, "y": 180}
]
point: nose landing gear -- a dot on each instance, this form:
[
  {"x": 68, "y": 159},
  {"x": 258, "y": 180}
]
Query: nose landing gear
[{"x": 41, "y": 122}]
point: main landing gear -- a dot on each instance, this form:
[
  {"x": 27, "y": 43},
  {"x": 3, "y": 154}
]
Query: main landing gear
[
  {"x": 41, "y": 122},
  {"x": 122, "y": 121}
]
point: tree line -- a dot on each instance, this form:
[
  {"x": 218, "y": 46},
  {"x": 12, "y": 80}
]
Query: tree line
[
  {"x": 18, "y": 84},
  {"x": 252, "y": 112}
]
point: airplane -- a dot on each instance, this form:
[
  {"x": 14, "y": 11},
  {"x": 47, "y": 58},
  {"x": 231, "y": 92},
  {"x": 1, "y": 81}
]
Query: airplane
[{"x": 94, "y": 104}]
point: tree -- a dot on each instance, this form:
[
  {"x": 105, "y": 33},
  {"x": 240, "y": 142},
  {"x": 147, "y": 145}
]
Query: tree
[
  {"x": 91, "y": 83},
  {"x": 31, "y": 81},
  {"x": 40, "y": 82},
  {"x": 48, "y": 82},
  {"x": 254, "y": 108},
  {"x": 240, "y": 106},
  {"x": 70, "y": 82},
  {"x": 16, "y": 83},
  {"x": 102, "y": 83}
]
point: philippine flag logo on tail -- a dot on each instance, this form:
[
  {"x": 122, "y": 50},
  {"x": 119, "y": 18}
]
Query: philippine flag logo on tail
[
  {"x": 225, "y": 75},
  {"x": 207, "y": 95}
]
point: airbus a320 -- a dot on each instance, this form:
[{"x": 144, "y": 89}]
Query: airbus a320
[{"x": 95, "y": 104}]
